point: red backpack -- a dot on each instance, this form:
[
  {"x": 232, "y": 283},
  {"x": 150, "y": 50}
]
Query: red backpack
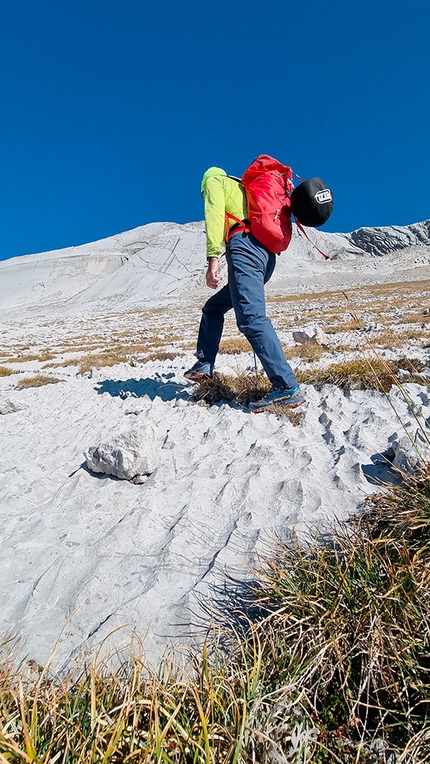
[{"x": 267, "y": 184}]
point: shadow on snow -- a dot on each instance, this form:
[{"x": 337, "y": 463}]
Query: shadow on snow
[{"x": 167, "y": 390}]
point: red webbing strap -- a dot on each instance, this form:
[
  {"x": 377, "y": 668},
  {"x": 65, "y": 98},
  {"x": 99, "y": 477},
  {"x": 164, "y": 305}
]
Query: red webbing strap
[
  {"x": 300, "y": 227},
  {"x": 241, "y": 226}
]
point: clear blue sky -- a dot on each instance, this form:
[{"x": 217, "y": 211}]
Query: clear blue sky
[{"x": 111, "y": 110}]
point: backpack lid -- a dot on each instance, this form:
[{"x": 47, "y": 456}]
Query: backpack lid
[{"x": 312, "y": 202}]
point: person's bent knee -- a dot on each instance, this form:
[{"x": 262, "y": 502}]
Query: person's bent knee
[
  {"x": 211, "y": 310},
  {"x": 253, "y": 327}
]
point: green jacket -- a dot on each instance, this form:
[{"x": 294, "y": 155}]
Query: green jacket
[{"x": 221, "y": 194}]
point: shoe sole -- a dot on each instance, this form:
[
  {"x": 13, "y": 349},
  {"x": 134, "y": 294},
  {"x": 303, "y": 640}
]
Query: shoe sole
[{"x": 196, "y": 377}]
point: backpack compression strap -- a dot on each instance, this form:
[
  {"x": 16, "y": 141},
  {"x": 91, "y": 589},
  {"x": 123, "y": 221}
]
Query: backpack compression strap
[{"x": 239, "y": 225}]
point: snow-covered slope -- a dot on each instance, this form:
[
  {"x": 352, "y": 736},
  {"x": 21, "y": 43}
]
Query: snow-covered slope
[
  {"x": 149, "y": 260},
  {"x": 162, "y": 259},
  {"x": 84, "y": 554}
]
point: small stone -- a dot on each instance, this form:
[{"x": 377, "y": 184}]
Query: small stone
[
  {"x": 302, "y": 338},
  {"x": 126, "y": 456},
  {"x": 139, "y": 479},
  {"x": 316, "y": 337}
]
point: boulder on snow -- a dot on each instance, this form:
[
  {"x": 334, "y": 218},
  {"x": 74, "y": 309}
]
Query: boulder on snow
[{"x": 129, "y": 456}]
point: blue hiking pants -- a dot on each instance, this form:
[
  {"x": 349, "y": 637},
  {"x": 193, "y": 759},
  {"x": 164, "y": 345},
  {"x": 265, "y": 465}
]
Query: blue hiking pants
[{"x": 250, "y": 266}]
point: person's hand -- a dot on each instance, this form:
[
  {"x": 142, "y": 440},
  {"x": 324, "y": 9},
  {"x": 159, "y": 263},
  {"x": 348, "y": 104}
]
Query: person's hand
[{"x": 212, "y": 277}]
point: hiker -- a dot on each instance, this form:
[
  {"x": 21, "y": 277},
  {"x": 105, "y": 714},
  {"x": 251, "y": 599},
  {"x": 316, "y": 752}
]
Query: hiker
[{"x": 250, "y": 265}]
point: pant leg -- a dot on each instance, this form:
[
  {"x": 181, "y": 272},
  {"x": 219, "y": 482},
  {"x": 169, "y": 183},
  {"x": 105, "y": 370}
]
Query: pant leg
[
  {"x": 212, "y": 324},
  {"x": 250, "y": 266}
]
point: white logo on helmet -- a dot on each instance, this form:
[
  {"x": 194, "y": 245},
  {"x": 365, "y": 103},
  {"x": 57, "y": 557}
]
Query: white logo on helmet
[{"x": 323, "y": 196}]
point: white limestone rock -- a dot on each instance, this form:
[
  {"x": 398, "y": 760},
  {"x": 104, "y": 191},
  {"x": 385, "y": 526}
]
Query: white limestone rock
[
  {"x": 410, "y": 451},
  {"x": 312, "y": 337},
  {"x": 128, "y": 456},
  {"x": 9, "y": 406}
]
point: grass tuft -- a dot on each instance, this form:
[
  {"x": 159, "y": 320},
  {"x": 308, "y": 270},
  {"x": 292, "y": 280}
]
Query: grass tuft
[
  {"x": 37, "y": 381},
  {"x": 242, "y": 389},
  {"x": 402, "y": 512},
  {"x": 6, "y": 371},
  {"x": 235, "y": 345},
  {"x": 363, "y": 374},
  {"x": 310, "y": 352}
]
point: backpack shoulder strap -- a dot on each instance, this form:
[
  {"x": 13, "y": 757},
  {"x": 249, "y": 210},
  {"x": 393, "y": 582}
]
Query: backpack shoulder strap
[{"x": 239, "y": 225}]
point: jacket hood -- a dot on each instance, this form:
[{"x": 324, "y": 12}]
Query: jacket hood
[{"x": 210, "y": 173}]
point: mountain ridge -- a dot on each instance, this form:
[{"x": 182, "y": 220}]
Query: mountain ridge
[{"x": 159, "y": 260}]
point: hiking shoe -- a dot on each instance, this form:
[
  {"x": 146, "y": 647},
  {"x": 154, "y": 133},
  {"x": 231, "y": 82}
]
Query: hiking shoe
[
  {"x": 290, "y": 397},
  {"x": 200, "y": 371}
]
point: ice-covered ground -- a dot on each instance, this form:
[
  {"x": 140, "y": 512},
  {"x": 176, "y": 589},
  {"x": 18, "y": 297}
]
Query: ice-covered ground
[{"x": 83, "y": 554}]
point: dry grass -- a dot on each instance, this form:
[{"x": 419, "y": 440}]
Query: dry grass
[
  {"x": 161, "y": 355},
  {"x": 344, "y": 348},
  {"x": 338, "y": 311},
  {"x": 308, "y": 352},
  {"x": 23, "y": 358},
  {"x": 100, "y": 360},
  {"x": 128, "y": 354},
  {"x": 133, "y": 715},
  {"x": 388, "y": 338},
  {"x": 235, "y": 345},
  {"x": 416, "y": 318},
  {"x": 5, "y": 371},
  {"x": 363, "y": 374},
  {"x": 414, "y": 334},
  {"x": 349, "y": 628},
  {"x": 37, "y": 381},
  {"x": 242, "y": 389},
  {"x": 358, "y": 374}
]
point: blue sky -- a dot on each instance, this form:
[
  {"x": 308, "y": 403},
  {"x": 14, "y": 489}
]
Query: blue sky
[{"x": 111, "y": 110}]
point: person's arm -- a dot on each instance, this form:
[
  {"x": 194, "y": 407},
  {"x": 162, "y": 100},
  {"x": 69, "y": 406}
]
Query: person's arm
[{"x": 214, "y": 217}]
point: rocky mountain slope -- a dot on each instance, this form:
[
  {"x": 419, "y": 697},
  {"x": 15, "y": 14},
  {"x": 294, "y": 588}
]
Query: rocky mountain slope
[{"x": 161, "y": 259}]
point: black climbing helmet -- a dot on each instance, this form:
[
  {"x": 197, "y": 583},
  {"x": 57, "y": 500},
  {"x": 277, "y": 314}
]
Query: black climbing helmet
[{"x": 312, "y": 202}]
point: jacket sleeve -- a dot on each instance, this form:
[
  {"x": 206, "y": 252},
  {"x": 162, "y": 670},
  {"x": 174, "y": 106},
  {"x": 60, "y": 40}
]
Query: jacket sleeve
[{"x": 214, "y": 217}]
